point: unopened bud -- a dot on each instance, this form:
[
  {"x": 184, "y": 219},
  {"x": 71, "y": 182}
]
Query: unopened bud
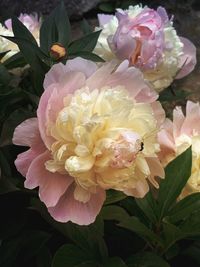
[{"x": 58, "y": 51}]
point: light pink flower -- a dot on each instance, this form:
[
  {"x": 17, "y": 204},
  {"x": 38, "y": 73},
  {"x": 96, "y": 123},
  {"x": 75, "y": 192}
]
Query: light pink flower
[
  {"x": 177, "y": 136},
  {"x": 96, "y": 129},
  {"x": 147, "y": 38},
  {"x": 31, "y": 21}
]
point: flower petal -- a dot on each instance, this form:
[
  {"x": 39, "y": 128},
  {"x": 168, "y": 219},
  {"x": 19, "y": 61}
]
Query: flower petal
[
  {"x": 104, "y": 19},
  {"x": 51, "y": 185},
  {"x": 188, "y": 59},
  {"x": 27, "y": 133},
  {"x": 69, "y": 209},
  {"x": 78, "y": 64}
]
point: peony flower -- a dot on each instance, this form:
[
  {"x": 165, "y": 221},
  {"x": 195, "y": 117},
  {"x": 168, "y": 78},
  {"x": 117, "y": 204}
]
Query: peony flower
[
  {"x": 177, "y": 136},
  {"x": 96, "y": 129},
  {"x": 147, "y": 38},
  {"x": 32, "y": 23}
]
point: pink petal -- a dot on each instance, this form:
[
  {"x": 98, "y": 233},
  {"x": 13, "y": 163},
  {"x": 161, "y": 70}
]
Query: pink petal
[
  {"x": 51, "y": 101},
  {"x": 159, "y": 112},
  {"x": 58, "y": 71},
  {"x": 191, "y": 122},
  {"x": 133, "y": 81},
  {"x": 104, "y": 19},
  {"x": 25, "y": 159},
  {"x": 41, "y": 114},
  {"x": 51, "y": 185},
  {"x": 166, "y": 139},
  {"x": 155, "y": 167},
  {"x": 69, "y": 209},
  {"x": 99, "y": 78},
  {"x": 53, "y": 76},
  {"x": 178, "y": 119},
  {"x": 27, "y": 133},
  {"x": 188, "y": 59}
]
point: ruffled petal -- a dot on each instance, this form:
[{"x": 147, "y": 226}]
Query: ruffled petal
[
  {"x": 188, "y": 59},
  {"x": 27, "y": 133},
  {"x": 51, "y": 185},
  {"x": 69, "y": 209},
  {"x": 58, "y": 71}
]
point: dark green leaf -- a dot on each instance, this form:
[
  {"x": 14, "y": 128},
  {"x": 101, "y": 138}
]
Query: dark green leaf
[
  {"x": 15, "y": 61},
  {"x": 184, "y": 208},
  {"x": 86, "y": 43},
  {"x": 146, "y": 259},
  {"x": 149, "y": 206},
  {"x": 71, "y": 256},
  {"x": 113, "y": 196},
  {"x": 89, "y": 238},
  {"x": 114, "y": 213},
  {"x": 87, "y": 55},
  {"x": 114, "y": 262},
  {"x": 44, "y": 257},
  {"x": 63, "y": 25},
  {"x": 133, "y": 224},
  {"x": 55, "y": 28},
  {"x": 5, "y": 76},
  {"x": 168, "y": 95},
  {"x": 85, "y": 27},
  {"x": 177, "y": 173}
]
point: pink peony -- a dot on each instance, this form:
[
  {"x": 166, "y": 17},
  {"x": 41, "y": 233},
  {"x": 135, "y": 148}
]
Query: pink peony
[
  {"x": 32, "y": 22},
  {"x": 96, "y": 129},
  {"x": 147, "y": 38},
  {"x": 177, "y": 136}
]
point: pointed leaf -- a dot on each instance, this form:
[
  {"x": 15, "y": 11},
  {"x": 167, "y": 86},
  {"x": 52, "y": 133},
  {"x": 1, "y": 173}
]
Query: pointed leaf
[
  {"x": 177, "y": 173},
  {"x": 86, "y": 43}
]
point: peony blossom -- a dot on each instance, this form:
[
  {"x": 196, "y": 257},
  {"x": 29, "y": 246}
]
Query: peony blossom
[
  {"x": 147, "y": 38},
  {"x": 32, "y": 23},
  {"x": 96, "y": 129},
  {"x": 177, "y": 136}
]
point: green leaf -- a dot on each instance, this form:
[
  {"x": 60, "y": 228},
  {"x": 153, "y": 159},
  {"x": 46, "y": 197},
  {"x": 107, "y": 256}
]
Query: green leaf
[
  {"x": 63, "y": 25},
  {"x": 149, "y": 206},
  {"x": 114, "y": 262},
  {"x": 169, "y": 95},
  {"x": 184, "y": 208},
  {"x": 5, "y": 76},
  {"x": 113, "y": 196},
  {"x": 55, "y": 28},
  {"x": 28, "y": 243},
  {"x": 71, "y": 256},
  {"x": 135, "y": 225},
  {"x": 85, "y": 27},
  {"x": 177, "y": 173},
  {"x": 114, "y": 213},
  {"x": 146, "y": 259},
  {"x": 86, "y": 43},
  {"x": 15, "y": 61},
  {"x": 44, "y": 257},
  {"x": 89, "y": 238},
  {"x": 87, "y": 55}
]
